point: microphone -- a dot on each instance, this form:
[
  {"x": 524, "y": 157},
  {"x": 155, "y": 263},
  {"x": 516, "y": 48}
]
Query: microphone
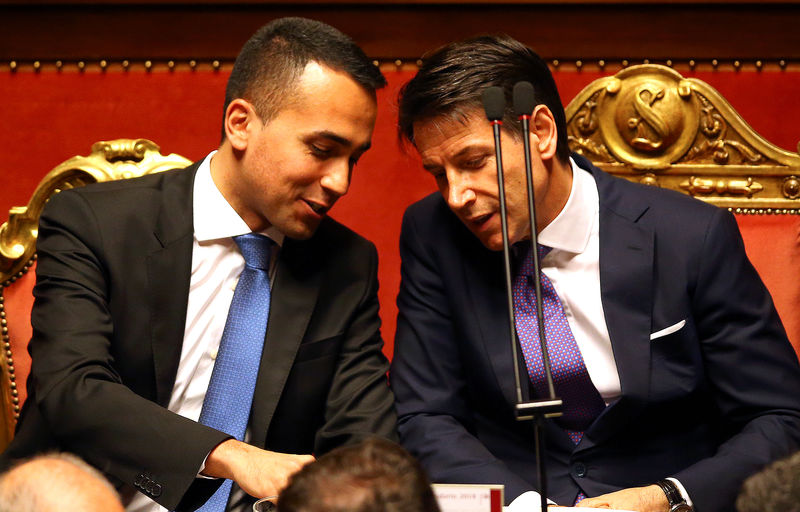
[
  {"x": 494, "y": 105},
  {"x": 524, "y": 100},
  {"x": 524, "y": 103}
]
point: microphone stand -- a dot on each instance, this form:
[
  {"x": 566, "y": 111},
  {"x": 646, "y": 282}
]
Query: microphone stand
[{"x": 537, "y": 410}]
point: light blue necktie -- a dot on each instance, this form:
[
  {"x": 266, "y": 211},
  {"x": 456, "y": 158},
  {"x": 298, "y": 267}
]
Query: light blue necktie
[{"x": 230, "y": 393}]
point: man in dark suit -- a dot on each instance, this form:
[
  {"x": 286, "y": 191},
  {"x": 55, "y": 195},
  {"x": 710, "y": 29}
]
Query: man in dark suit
[
  {"x": 135, "y": 280},
  {"x": 680, "y": 381}
]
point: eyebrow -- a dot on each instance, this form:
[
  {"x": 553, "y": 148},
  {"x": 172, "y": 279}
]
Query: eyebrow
[
  {"x": 344, "y": 141},
  {"x": 471, "y": 148},
  {"x": 431, "y": 167},
  {"x": 466, "y": 149}
]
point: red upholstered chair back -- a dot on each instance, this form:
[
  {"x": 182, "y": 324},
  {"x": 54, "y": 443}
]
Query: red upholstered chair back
[
  {"x": 649, "y": 124},
  {"x": 112, "y": 160}
]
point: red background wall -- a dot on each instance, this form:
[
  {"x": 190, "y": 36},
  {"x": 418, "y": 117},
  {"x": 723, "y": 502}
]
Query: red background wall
[{"x": 50, "y": 115}]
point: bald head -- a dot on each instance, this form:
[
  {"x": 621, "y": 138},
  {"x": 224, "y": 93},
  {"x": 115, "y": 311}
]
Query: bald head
[{"x": 52, "y": 482}]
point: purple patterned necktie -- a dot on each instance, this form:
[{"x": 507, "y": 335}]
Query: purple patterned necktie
[
  {"x": 230, "y": 393},
  {"x": 582, "y": 401}
]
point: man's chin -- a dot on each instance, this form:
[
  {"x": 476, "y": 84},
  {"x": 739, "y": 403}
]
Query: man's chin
[
  {"x": 300, "y": 231},
  {"x": 493, "y": 243}
]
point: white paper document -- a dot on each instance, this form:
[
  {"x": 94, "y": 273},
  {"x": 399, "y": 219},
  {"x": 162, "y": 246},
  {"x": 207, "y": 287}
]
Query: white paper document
[{"x": 469, "y": 497}]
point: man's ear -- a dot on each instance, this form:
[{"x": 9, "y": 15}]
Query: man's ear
[
  {"x": 543, "y": 128},
  {"x": 239, "y": 117}
]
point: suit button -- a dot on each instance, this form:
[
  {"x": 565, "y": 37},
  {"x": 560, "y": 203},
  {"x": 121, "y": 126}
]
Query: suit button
[
  {"x": 579, "y": 470},
  {"x": 156, "y": 492}
]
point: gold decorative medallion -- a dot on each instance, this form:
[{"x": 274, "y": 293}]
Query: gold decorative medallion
[{"x": 649, "y": 124}]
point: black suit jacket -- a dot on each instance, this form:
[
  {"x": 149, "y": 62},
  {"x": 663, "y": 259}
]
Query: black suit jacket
[
  {"x": 707, "y": 404},
  {"x": 112, "y": 288}
]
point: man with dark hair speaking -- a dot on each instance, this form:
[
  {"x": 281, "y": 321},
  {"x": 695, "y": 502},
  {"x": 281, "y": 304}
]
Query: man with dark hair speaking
[
  {"x": 677, "y": 377},
  {"x": 202, "y": 326}
]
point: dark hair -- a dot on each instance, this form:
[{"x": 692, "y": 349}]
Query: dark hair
[
  {"x": 775, "y": 488},
  {"x": 373, "y": 476},
  {"x": 271, "y": 61},
  {"x": 451, "y": 80}
]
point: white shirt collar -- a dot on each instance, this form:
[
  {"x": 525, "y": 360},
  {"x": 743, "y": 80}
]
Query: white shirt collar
[
  {"x": 214, "y": 218},
  {"x": 572, "y": 227}
]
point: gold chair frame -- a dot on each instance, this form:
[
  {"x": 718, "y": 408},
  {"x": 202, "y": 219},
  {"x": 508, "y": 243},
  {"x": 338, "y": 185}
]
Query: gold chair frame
[
  {"x": 108, "y": 160},
  {"x": 650, "y": 124}
]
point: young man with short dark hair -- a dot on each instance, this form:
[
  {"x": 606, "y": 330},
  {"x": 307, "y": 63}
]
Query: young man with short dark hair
[{"x": 211, "y": 325}]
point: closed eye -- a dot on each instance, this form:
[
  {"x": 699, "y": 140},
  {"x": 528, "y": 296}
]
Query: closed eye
[
  {"x": 320, "y": 151},
  {"x": 477, "y": 162},
  {"x": 437, "y": 172}
]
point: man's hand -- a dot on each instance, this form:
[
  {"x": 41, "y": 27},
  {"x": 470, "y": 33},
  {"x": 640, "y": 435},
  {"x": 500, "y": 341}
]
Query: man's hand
[
  {"x": 258, "y": 472},
  {"x": 640, "y": 499}
]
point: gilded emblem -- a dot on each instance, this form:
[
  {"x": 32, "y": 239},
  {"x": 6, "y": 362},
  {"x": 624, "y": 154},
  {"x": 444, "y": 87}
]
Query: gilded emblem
[{"x": 649, "y": 124}]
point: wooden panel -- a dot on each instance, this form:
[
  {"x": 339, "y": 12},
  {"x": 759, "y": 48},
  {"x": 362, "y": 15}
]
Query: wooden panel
[{"x": 180, "y": 29}]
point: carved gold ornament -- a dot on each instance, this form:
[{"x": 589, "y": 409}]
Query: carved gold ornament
[
  {"x": 109, "y": 160},
  {"x": 650, "y": 125}
]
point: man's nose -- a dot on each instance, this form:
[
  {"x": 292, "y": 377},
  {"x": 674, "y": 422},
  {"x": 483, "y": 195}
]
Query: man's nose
[
  {"x": 337, "y": 179},
  {"x": 459, "y": 192}
]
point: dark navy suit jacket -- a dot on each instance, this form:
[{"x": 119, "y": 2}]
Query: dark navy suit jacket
[{"x": 708, "y": 404}]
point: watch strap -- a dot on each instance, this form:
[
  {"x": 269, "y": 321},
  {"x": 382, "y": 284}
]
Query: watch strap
[{"x": 674, "y": 496}]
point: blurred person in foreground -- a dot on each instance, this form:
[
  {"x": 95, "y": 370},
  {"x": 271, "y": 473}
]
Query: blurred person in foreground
[
  {"x": 677, "y": 377},
  {"x": 373, "y": 476},
  {"x": 54, "y": 482},
  {"x": 212, "y": 325},
  {"x": 775, "y": 488}
]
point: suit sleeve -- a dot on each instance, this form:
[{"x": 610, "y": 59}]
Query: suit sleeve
[
  {"x": 78, "y": 390},
  {"x": 750, "y": 367},
  {"x": 435, "y": 421},
  {"x": 360, "y": 404}
]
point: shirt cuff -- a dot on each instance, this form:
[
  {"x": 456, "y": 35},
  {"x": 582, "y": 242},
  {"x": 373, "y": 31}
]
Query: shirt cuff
[
  {"x": 529, "y": 501},
  {"x": 202, "y": 468},
  {"x": 682, "y": 490}
]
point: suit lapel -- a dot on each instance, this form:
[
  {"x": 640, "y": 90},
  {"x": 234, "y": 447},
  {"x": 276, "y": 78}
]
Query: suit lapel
[
  {"x": 294, "y": 295},
  {"x": 169, "y": 273},
  {"x": 484, "y": 279},
  {"x": 626, "y": 283}
]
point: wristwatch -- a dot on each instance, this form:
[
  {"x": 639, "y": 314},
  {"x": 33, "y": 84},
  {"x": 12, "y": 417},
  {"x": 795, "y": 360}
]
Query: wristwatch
[{"x": 674, "y": 497}]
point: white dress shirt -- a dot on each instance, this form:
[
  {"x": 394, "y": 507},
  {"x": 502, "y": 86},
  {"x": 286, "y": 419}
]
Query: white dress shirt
[
  {"x": 573, "y": 266},
  {"x": 217, "y": 264}
]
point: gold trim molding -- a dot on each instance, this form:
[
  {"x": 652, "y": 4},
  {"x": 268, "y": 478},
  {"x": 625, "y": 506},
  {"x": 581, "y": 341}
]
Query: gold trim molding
[
  {"x": 8, "y": 388},
  {"x": 651, "y": 125},
  {"x": 595, "y": 64},
  {"x": 109, "y": 160}
]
